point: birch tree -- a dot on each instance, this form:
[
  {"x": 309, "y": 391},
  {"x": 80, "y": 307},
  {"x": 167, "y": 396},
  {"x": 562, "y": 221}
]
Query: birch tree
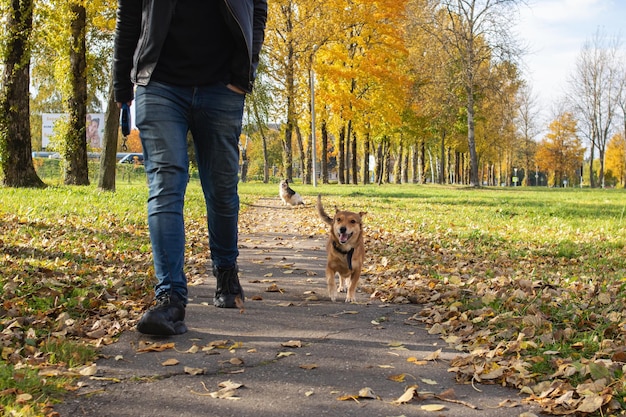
[{"x": 475, "y": 32}]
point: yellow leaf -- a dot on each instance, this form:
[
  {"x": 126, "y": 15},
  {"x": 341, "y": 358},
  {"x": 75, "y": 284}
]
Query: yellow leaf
[
  {"x": 284, "y": 354},
  {"x": 348, "y": 397},
  {"x": 156, "y": 347},
  {"x": 433, "y": 407},
  {"x": 416, "y": 361},
  {"x": 397, "y": 378}
]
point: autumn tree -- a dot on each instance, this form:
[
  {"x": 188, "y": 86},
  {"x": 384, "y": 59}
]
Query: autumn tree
[
  {"x": 71, "y": 70},
  {"x": 595, "y": 91},
  {"x": 289, "y": 44},
  {"x": 474, "y": 33},
  {"x": 560, "y": 152},
  {"x": 75, "y": 149},
  {"x": 363, "y": 81},
  {"x": 527, "y": 125},
  {"x": 15, "y": 137},
  {"x": 616, "y": 157}
]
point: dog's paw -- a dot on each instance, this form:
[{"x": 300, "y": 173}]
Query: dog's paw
[{"x": 333, "y": 296}]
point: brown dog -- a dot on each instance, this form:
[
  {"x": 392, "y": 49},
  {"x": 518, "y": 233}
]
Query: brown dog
[{"x": 345, "y": 250}]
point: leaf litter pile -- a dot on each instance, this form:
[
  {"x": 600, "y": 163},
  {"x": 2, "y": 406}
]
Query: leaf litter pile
[{"x": 543, "y": 314}]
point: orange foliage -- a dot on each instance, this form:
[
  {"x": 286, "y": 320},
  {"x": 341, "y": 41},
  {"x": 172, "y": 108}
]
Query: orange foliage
[
  {"x": 560, "y": 152},
  {"x": 133, "y": 142}
]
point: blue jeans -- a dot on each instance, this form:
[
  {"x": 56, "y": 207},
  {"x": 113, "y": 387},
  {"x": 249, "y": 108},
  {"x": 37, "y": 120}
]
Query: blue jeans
[{"x": 164, "y": 115}]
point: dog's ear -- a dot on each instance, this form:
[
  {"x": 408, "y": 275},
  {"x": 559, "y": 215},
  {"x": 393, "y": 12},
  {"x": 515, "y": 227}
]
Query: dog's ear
[{"x": 362, "y": 213}]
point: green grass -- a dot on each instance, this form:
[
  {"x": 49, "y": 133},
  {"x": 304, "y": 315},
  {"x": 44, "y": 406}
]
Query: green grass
[{"x": 63, "y": 248}]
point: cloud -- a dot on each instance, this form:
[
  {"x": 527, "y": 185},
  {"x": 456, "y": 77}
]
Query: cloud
[{"x": 567, "y": 11}]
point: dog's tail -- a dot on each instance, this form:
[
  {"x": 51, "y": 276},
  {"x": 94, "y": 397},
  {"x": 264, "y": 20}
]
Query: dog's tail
[{"x": 325, "y": 217}]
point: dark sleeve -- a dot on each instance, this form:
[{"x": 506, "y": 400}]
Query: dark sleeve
[
  {"x": 258, "y": 31},
  {"x": 127, "y": 31}
]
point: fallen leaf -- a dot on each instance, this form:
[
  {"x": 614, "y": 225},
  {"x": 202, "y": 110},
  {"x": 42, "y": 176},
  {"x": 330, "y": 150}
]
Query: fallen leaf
[
  {"x": 397, "y": 378},
  {"x": 193, "y": 371},
  {"x": 89, "y": 370},
  {"x": 591, "y": 403},
  {"x": 367, "y": 392},
  {"x": 433, "y": 407},
  {"x": 23, "y": 398},
  {"x": 154, "y": 347},
  {"x": 416, "y": 361},
  {"x": 428, "y": 381},
  {"x": 433, "y": 356},
  {"x": 292, "y": 344},
  {"x": 308, "y": 366},
  {"x": 170, "y": 362},
  {"x": 348, "y": 397},
  {"x": 407, "y": 396}
]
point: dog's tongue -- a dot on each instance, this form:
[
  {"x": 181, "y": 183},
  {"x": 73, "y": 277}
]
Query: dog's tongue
[{"x": 343, "y": 237}]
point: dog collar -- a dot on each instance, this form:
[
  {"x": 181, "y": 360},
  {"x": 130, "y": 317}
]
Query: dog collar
[{"x": 348, "y": 253}]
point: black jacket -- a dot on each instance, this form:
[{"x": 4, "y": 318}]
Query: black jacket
[{"x": 141, "y": 29}]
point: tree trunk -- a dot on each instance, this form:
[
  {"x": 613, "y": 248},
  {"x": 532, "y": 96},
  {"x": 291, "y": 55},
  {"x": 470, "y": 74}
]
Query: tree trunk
[
  {"x": 423, "y": 163},
  {"x": 442, "y": 167},
  {"x": 75, "y": 155},
  {"x": 341, "y": 159},
  {"x": 324, "y": 153},
  {"x": 347, "y": 152},
  {"x": 300, "y": 150},
  {"x": 471, "y": 139},
  {"x": 397, "y": 167},
  {"x": 379, "y": 163},
  {"x": 366, "y": 159},
  {"x": 355, "y": 169},
  {"x": 15, "y": 140},
  {"x": 414, "y": 165},
  {"x": 106, "y": 178},
  {"x": 405, "y": 167}
]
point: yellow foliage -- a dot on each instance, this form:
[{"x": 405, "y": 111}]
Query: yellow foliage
[{"x": 616, "y": 157}]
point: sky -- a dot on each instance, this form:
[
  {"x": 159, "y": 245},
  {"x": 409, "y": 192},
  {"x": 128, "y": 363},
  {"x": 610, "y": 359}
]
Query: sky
[{"x": 555, "y": 32}]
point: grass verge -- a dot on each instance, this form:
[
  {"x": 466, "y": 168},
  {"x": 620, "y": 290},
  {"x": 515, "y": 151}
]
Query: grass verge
[{"x": 527, "y": 283}]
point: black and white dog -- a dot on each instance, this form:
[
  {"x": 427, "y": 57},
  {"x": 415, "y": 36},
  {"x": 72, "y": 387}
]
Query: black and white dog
[{"x": 288, "y": 195}]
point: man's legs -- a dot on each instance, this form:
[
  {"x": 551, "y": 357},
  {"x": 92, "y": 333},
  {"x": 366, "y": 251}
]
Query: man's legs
[
  {"x": 216, "y": 125},
  {"x": 162, "y": 119}
]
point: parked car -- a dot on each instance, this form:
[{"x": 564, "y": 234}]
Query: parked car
[{"x": 132, "y": 158}]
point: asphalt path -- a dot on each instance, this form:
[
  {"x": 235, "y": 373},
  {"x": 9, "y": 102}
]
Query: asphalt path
[{"x": 291, "y": 352}]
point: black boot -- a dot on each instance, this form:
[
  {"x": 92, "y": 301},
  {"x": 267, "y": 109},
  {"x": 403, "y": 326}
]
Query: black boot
[
  {"x": 228, "y": 288},
  {"x": 165, "y": 318}
]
